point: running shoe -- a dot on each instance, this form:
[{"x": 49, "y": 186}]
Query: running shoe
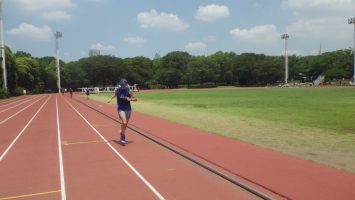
[{"x": 123, "y": 139}]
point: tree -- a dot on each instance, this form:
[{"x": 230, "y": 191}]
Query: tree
[
  {"x": 27, "y": 72},
  {"x": 173, "y": 66},
  {"x": 140, "y": 70},
  {"x": 11, "y": 70},
  {"x": 22, "y": 54}
]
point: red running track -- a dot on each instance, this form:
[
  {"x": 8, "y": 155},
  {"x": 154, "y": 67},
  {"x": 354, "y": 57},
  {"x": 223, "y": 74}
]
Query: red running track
[
  {"x": 14, "y": 104},
  {"x": 12, "y": 100},
  {"x": 60, "y": 149},
  {"x": 282, "y": 175}
]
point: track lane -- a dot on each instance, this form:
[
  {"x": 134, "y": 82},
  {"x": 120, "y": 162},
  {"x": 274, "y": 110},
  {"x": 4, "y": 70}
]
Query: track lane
[
  {"x": 92, "y": 169},
  {"x": 4, "y": 118},
  {"x": 185, "y": 180},
  {"x": 285, "y": 176},
  {"x": 12, "y": 100},
  {"x": 30, "y": 169},
  {"x": 12, "y": 128},
  {"x": 8, "y": 108},
  {"x": 60, "y": 154}
]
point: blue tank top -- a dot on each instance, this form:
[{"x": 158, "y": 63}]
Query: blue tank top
[{"x": 122, "y": 103}]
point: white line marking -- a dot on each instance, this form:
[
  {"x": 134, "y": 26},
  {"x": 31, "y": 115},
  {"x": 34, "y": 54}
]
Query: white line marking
[
  {"x": 15, "y": 105},
  {"x": 3, "y": 121},
  {"x": 61, "y": 168},
  {"x": 18, "y": 136},
  {"x": 119, "y": 155},
  {"x": 12, "y": 102}
]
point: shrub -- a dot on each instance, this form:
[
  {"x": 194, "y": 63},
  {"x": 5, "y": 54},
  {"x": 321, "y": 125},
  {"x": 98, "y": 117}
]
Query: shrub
[
  {"x": 18, "y": 91},
  {"x": 3, "y": 93}
]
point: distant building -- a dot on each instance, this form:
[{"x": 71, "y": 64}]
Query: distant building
[
  {"x": 157, "y": 56},
  {"x": 94, "y": 52}
]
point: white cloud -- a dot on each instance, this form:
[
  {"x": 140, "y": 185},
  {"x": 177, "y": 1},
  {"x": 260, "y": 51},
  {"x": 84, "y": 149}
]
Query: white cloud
[
  {"x": 134, "y": 40},
  {"x": 55, "y": 16},
  {"x": 31, "y": 31},
  {"x": 195, "y": 46},
  {"x": 153, "y": 19},
  {"x": 102, "y": 47},
  {"x": 38, "y": 5},
  {"x": 210, "y": 39},
  {"x": 322, "y": 5},
  {"x": 327, "y": 28},
  {"x": 212, "y": 12},
  {"x": 263, "y": 34}
]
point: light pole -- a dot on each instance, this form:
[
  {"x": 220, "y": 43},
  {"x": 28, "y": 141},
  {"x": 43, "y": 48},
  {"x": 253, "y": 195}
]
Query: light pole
[
  {"x": 58, "y": 35},
  {"x": 285, "y": 37},
  {"x": 2, "y": 46},
  {"x": 352, "y": 21}
]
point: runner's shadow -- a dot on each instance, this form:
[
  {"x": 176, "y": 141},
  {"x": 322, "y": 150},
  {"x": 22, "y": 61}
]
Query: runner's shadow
[{"x": 119, "y": 143}]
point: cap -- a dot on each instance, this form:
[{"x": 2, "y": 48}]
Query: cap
[{"x": 123, "y": 82}]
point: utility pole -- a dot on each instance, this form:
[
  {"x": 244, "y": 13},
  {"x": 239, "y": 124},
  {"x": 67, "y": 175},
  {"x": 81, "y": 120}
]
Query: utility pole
[
  {"x": 57, "y": 35},
  {"x": 285, "y": 37},
  {"x": 2, "y": 46},
  {"x": 352, "y": 21}
]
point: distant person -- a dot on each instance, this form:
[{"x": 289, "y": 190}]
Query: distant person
[
  {"x": 124, "y": 97},
  {"x": 71, "y": 92},
  {"x": 87, "y": 92}
]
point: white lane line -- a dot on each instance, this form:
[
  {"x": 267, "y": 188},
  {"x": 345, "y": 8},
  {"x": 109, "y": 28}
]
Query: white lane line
[
  {"x": 150, "y": 186},
  {"x": 15, "y": 105},
  {"x": 15, "y": 101},
  {"x": 23, "y": 130},
  {"x": 3, "y": 121},
  {"x": 61, "y": 168}
]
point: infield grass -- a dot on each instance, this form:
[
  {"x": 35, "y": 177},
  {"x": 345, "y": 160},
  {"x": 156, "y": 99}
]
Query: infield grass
[{"x": 312, "y": 123}]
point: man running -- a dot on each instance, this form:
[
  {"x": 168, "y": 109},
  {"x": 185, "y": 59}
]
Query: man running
[
  {"x": 71, "y": 92},
  {"x": 87, "y": 92},
  {"x": 124, "y": 97}
]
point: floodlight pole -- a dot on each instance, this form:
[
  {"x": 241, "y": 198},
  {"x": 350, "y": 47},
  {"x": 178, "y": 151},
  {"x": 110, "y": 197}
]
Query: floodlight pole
[
  {"x": 2, "y": 46},
  {"x": 58, "y": 35},
  {"x": 352, "y": 21},
  {"x": 285, "y": 37}
]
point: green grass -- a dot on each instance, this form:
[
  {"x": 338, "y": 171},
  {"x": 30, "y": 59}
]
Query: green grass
[{"x": 313, "y": 123}]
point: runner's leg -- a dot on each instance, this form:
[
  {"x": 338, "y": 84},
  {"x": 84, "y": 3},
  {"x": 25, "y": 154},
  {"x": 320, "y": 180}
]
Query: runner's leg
[{"x": 123, "y": 117}]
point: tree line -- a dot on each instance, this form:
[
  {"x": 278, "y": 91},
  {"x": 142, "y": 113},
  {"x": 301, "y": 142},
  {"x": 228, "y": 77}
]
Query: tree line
[{"x": 175, "y": 69}]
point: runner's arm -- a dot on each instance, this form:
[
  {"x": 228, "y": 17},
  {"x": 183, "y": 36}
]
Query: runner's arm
[
  {"x": 112, "y": 97},
  {"x": 132, "y": 98}
]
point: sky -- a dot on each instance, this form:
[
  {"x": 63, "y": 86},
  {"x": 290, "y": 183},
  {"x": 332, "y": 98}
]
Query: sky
[{"x": 129, "y": 28}]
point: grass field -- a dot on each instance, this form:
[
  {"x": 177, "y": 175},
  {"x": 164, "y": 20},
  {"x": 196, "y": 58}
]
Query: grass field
[{"x": 312, "y": 123}]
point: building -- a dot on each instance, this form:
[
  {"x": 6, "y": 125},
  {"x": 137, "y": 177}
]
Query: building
[{"x": 94, "y": 52}]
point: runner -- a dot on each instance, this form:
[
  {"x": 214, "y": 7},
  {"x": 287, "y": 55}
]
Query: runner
[
  {"x": 87, "y": 92},
  {"x": 71, "y": 92},
  {"x": 124, "y": 97}
]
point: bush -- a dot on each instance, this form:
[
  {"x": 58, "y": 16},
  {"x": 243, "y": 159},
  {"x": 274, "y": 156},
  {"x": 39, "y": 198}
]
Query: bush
[
  {"x": 3, "y": 93},
  {"x": 35, "y": 91},
  {"x": 18, "y": 91},
  {"x": 203, "y": 85}
]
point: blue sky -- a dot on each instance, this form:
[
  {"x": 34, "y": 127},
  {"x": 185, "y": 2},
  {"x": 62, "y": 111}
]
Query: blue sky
[{"x": 127, "y": 28}]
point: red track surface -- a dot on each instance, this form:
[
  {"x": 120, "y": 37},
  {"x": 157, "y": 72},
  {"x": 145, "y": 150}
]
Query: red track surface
[
  {"x": 283, "y": 175},
  {"x": 31, "y": 157},
  {"x": 12, "y": 100}
]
